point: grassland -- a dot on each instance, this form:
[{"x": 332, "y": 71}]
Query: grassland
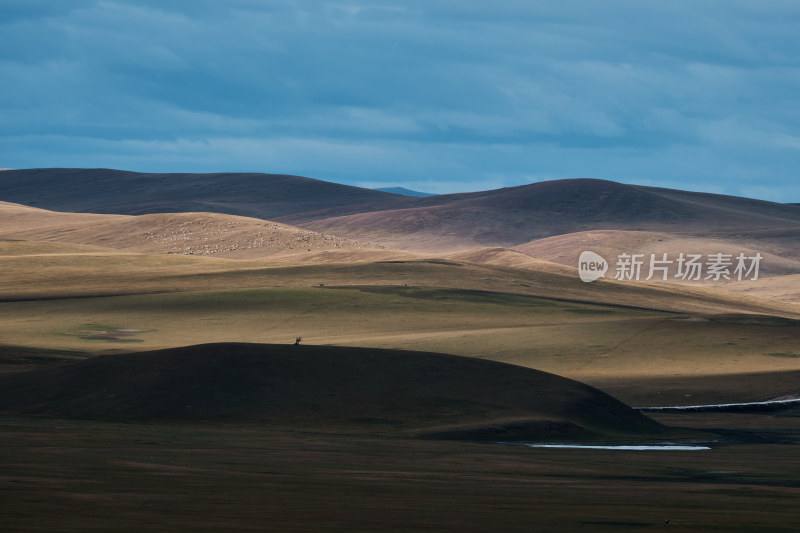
[
  {"x": 647, "y": 344},
  {"x": 585, "y": 341},
  {"x": 89, "y": 476},
  {"x": 389, "y": 392}
]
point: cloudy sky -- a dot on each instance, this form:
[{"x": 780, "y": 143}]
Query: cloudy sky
[{"x": 435, "y": 95}]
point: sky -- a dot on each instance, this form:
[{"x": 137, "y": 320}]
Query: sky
[{"x": 435, "y": 95}]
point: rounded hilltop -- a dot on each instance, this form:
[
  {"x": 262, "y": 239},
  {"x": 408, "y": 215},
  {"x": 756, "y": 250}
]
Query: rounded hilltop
[{"x": 414, "y": 393}]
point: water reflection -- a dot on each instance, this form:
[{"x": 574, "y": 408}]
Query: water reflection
[{"x": 651, "y": 447}]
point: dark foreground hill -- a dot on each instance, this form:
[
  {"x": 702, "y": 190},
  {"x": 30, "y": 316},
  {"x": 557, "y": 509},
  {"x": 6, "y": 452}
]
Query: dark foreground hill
[{"x": 322, "y": 386}]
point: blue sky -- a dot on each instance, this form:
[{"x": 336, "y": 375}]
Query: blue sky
[{"x": 435, "y": 95}]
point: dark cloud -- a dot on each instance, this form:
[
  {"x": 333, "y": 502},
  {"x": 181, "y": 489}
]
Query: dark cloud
[{"x": 439, "y": 94}]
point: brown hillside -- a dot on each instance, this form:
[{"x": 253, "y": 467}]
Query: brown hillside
[
  {"x": 778, "y": 248},
  {"x": 207, "y": 234},
  {"x": 266, "y": 196},
  {"x": 513, "y": 216},
  {"x": 322, "y": 385},
  {"x": 508, "y": 258},
  {"x": 504, "y": 217}
]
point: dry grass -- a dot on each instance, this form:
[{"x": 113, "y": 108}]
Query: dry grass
[
  {"x": 581, "y": 341},
  {"x": 34, "y": 276},
  {"x": 392, "y": 392},
  {"x": 646, "y": 343},
  {"x": 79, "y": 476},
  {"x": 204, "y": 234},
  {"x": 780, "y": 288},
  {"x": 778, "y": 273},
  {"x": 545, "y": 319},
  {"x": 779, "y": 248}
]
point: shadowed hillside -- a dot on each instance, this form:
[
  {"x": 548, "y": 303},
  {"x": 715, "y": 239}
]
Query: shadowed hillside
[
  {"x": 515, "y": 215},
  {"x": 405, "y": 192},
  {"x": 266, "y": 196},
  {"x": 324, "y": 386},
  {"x": 502, "y": 217}
]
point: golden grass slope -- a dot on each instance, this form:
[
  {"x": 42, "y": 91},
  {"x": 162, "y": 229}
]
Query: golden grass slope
[
  {"x": 45, "y": 266},
  {"x": 581, "y": 341},
  {"x": 173, "y": 233},
  {"x": 508, "y": 258},
  {"x": 779, "y": 249},
  {"x": 123, "y": 302},
  {"x": 46, "y": 276},
  {"x": 778, "y": 270},
  {"x": 491, "y": 303},
  {"x": 783, "y": 288}
]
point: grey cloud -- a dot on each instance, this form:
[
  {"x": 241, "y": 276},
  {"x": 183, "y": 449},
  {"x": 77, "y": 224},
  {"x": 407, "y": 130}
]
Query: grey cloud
[{"x": 432, "y": 92}]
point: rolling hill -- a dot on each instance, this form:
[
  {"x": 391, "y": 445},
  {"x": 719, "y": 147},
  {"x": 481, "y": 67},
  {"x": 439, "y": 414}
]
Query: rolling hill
[
  {"x": 516, "y": 215},
  {"x": 266, "y": 196},
  {"x": 404, "y": 191},
  {"x": 316, "y": 221},
  {"x": 324, "y": 386},
  {"x": 503, "y": 217},
  {"x": 781, "y": 255},
  {"x": 208, "y": 234}
]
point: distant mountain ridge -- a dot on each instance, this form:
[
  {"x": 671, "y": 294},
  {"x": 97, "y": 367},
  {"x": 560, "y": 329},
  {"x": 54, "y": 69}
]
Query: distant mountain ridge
[
  {"x": 516, "y": 215},
  {"x": 404, "y": 191},
  {"x": 107, "y": 191},
  {"x": 503, "y": 217}
]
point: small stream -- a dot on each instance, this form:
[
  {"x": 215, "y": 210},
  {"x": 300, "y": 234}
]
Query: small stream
[
  {"x": 724, "y": 407},
  {"x": 770, "y": 405},
  {"x": 628, "y": 447}
]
